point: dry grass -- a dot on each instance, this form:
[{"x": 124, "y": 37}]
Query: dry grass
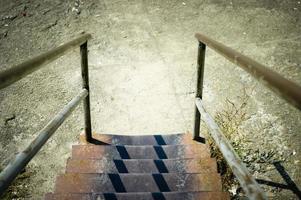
[
  {"x": 229, "y": 120},
  {"x": 18, "y": 189}
]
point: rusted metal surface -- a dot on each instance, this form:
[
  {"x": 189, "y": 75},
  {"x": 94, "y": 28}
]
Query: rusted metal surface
[
  {"x": 285, "y": 88},
  {"x": 140, "y": 152},
  {"x": 17, "y": 72},
  {"x": 205, "y": 165},
  {"x": 51, "y": 196},
  {"x": 182, "y": 182},
  {"x": 199, "y": 88},
  {"x": 248, "y": 183},
  {"x": 85, "y": 83},
  {"x": 22, "y": 159},
  {"x": 143, "y": 196},
  {"x": 185, "y": 172}
]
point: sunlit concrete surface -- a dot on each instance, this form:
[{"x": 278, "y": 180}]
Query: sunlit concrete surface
[{"x": 142, "y": 61}]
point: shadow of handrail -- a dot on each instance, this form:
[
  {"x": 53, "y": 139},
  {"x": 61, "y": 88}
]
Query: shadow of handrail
[
  {"x": 290, "y": 184},
  {"x": 200, "y": 139},
  {"x": 97, "y": 142}
]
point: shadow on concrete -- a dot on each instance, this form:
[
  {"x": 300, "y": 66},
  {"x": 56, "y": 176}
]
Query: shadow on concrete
[{"x": 290, "y": 184}]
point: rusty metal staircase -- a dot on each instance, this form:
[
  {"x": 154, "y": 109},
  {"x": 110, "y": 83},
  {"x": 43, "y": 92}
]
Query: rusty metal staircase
[
  {"x": 143, "y": 167},
  {"x": 153, "y": 167}
]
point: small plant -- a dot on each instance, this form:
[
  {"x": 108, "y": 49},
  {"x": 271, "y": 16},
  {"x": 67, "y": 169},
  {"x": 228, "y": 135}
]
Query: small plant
[{"x": 229, "y": 120}]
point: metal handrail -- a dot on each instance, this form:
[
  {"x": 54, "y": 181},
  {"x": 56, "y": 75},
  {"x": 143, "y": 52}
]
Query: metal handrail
[
  {"x": 283, "y": 87},
  {"x": 16, "y": 166},
  {"x": 237, "y": 166},
  {"x": 18, "y": 72},
  {"x": 286, "y": 89}
]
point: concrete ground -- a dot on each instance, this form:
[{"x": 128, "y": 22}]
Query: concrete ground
[{"x": 142, "y": 62}]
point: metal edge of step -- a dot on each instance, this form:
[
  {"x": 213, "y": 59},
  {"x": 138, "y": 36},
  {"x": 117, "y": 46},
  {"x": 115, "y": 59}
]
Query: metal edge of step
[
  {"x": 93, "y": 175},
  {"x": 144, "y": 182},
  {"x": 154, "y": 139},
  {"x": 140, "y": 152},
  {"x": 188, "y": 146},
  {"x": 140, "y": 146},
  {"x": 202, "y": 160},
  {"x": 140, "y": 196},
  {"x": 204, "y": 165}
]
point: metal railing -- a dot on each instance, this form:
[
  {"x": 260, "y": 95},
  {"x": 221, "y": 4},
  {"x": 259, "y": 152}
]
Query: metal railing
[
  {"x": 15, "y": 73},
  {"x": 283, "y": 87},
  {"x": 286, "y": 89}
]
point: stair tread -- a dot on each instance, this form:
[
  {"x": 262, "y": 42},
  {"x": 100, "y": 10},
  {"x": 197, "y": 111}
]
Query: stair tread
[
  {"x": 85, "y": 183},
  {"x": 170, "y": 167},
  {"x": 140, "y": 152},
  {"x": 171, "y": 139},
  {"x": 141, "y": 166},
  {"x": 141, "y": 196}
]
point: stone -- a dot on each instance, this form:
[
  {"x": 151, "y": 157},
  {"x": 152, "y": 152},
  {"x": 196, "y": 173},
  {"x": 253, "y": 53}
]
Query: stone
[{"x": 9, "y": 118}]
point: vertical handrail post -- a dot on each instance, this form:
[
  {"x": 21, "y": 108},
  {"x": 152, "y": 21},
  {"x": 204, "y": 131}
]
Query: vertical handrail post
[
  {"x": 199, "y": 87},
  {"x": 85, "y": 85}
]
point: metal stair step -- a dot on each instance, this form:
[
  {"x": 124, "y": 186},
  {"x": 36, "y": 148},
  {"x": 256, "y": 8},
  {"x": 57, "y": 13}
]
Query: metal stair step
[
  {"x": 141, "y": 196},
  {"x": 98, "y": 183},
  {"x": 140, "y": 152},
  {"x": 172, "y": 139},
  {"x": 205, "y": 165},
  {"x": 146, "y": 167}
]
